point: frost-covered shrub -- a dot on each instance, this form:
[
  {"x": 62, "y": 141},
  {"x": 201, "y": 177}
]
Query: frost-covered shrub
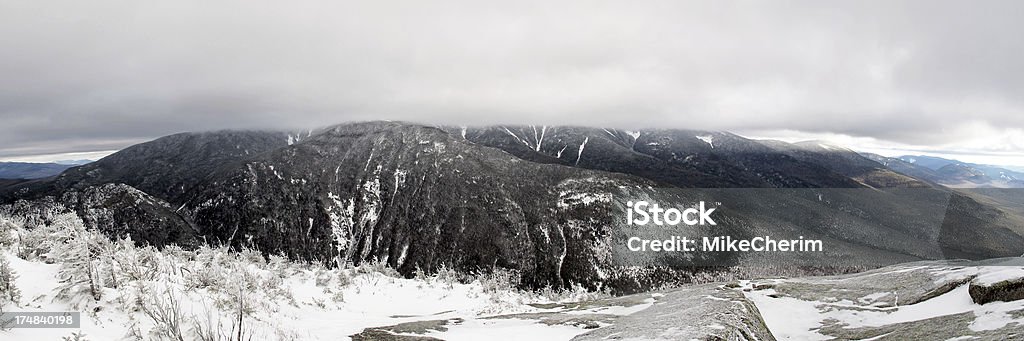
[
  {"x": 33, "y": 244},
  {"x": 344, "y": 279},
  {"x": 213, "y": 326},
  {"x": 236, "y": 293},
  {"x": 449, "y": 276},
  {"x": 217, "y": 256},
  {"x": 337, "y": 291},
  {"x": 35, "y": 213},
  {"x": 132, "y": 263},
  {"x": 9, "y": 292},
  {"x": 175, "y": 252},
  {"x": 321, "y": 276},
  {"x": 165, "y": 311},
  {"x": 204, "y": 276},
  {"x": 38, "y": 241},
  {"x": 75, "y": 336},
  {"x": 78, "y": 254},
  {"x": 9, "y": 227},
  {"x": 280, "y": 266},
  {"x": 252, "y": 257},
  {"x": 208, "y": 268},
  {"x": 574, "y": 293},
  {"x": 273, "y": 286},
  {"x": 500, "y": 280},
  {"x": 419, "y": 274},
  {"x": 377, "y": 267}
]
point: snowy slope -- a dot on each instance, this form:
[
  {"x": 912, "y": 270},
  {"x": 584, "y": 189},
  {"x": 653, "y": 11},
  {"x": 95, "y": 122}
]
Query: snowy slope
[
  {"x": 310, "y": 311},
  {"x": 931, "y": 300},
  {"x": 140, "y": 293}
]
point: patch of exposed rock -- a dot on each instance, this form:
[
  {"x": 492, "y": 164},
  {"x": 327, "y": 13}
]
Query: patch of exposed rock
[
  {"x": 880, "y": 288},
  {"x": 705, "y": 312},
  {"x": 913, "y": 301},
  {"x": 1004, "y": 285}
]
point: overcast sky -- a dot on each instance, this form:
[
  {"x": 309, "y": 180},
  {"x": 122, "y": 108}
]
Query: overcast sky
[{"x": 84, "y": 76}]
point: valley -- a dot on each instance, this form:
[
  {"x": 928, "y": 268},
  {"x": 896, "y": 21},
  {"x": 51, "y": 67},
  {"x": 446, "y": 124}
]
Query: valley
[{"x": 532, "y": 225}]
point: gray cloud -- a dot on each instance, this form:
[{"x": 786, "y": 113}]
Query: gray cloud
[{"x": 93, "y": 75}]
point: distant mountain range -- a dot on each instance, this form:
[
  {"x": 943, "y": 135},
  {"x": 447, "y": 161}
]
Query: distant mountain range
[
  {"x": 952, "y": 173},
  {"x": 545, "y": 200},
  {"x": 73, "y": 162},
  {"x": 26, "y": 170}
]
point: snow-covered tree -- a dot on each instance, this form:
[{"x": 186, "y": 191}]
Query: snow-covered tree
[
  {"x": 79, "y": 260},
  {"x": 9, "y": 292},
  {"x": 8, "y": 230}
]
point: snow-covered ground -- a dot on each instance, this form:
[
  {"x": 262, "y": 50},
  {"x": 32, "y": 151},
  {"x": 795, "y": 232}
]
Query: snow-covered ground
[
  {"x": 145, "y": 294},
  {"x": 795, "y": 318},
  {"x": 308, "y": 312},
  {"x": 127, "y": 292}
]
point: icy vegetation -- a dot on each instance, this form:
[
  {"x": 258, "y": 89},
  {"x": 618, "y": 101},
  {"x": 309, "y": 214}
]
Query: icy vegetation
[{"x": 128, "y": 292}]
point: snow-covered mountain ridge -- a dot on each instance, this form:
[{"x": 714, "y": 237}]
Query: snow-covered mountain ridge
[{"x": 478, "y": 198}]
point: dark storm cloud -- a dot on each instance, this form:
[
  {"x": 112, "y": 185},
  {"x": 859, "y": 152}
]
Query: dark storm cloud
[{"x": 78, "y": 75}]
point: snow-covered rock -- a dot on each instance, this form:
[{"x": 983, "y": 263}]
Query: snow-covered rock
[
  {"x": 1004, "y": 284},
  {"x": 923, "y": 300}
]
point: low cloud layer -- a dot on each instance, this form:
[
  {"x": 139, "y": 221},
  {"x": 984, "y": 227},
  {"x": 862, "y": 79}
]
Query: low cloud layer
[{"x": 98, "y": 75}]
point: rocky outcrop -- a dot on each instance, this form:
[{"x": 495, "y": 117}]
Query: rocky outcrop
[
  {"x": 1004, "y": 285},
  {"x": 880, "y": 288},
  {"x": 912, "y": 301},
  {"x": 1006, "y": 291},
  {"x": 922, "y": 300},
  {"x": 705, "y": 312}
]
